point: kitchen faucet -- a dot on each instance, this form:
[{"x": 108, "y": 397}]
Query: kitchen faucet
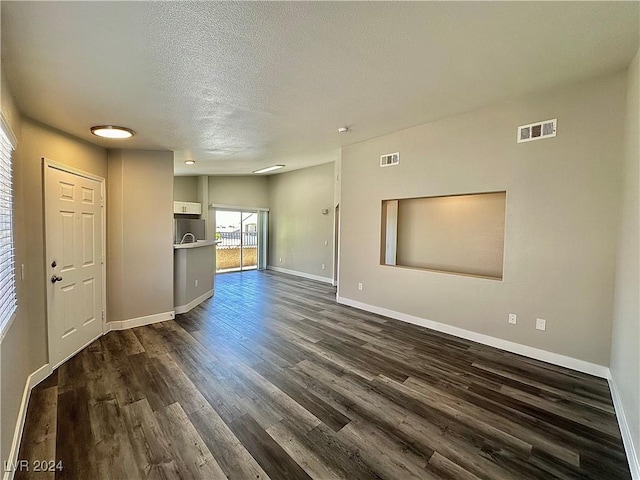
[{"x": 185, "y": 236}]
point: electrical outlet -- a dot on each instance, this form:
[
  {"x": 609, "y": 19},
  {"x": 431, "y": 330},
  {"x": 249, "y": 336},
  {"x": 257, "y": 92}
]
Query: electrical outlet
[
  {"x": 280, "y": 258},
  {"x": 513, "y": 319},
  {"x": 541, "y": 324},
  {"x": 323, "y": 267},
  {"x": 326, "y": 242},
  {"x": 196, "y": 283},
  {"x": 359, "y": 286}
]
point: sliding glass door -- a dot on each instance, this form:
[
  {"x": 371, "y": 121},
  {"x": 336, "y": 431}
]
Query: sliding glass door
[{"x": 239, "y": 233}]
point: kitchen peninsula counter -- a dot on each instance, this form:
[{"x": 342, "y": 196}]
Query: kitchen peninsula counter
[
  {"x": 198, "y": 244},
  {"x": 194, "y": 268}
]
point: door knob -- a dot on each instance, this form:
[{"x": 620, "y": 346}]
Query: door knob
[{"x": 56, "y": 278}]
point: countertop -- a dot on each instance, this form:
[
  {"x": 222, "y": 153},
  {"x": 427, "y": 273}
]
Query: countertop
[{"x": 199, "y": 243}]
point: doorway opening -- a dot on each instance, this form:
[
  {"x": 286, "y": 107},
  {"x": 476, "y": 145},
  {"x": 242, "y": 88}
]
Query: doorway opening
[{"x": 241, "y": 234}]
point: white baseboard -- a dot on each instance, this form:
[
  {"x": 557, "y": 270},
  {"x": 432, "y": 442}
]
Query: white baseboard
[
  {"x": 301, "y": 274},
  {"x": 139, "y": 321},
  {"x": 193, "y": 303},
  {"x": 627, "y": 439},
  {"x": 32, "y": 380},
  {"x": 39, "y": 375},
  {"x": 531, "y": 352}
]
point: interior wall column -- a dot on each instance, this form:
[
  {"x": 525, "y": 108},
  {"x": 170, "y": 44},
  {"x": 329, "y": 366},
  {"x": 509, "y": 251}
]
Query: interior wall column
[{"x": 203, "y": 198}]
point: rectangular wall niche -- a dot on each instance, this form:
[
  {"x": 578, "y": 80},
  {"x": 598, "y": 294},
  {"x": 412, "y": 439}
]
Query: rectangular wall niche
[{"x": 462, "y": 234}]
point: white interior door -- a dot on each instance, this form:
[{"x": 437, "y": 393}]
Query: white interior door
[{"x": 74, "y": 269}]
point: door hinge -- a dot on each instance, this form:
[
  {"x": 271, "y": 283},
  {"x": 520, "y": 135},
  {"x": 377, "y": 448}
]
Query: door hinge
[{"x": 103, "y": 315}]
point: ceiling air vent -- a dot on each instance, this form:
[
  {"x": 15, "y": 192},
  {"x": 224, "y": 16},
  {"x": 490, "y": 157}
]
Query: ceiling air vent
[
  {"x": 536, "y": 131},
  {"x": 389, "y": 159}
]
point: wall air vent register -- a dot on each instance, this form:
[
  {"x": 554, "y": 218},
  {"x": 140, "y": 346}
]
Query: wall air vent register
[
  {"x": 389, "y": 159},
  {"x": 536, "y": 131}
]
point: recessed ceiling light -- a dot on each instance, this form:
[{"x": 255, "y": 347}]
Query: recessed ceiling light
[
  {"x": 269, "y": 169},
  {"x": 343, "y": 129},
  {"x": 190, "y": 162},
  {"x": 111, "y": 131}
]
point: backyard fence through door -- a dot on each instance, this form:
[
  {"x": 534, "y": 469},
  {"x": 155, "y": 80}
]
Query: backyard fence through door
[{"x": 242, "y": 239}]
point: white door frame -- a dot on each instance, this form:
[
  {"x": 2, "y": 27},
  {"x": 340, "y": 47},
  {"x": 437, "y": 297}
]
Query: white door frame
[{"x": 46, "y": 165}]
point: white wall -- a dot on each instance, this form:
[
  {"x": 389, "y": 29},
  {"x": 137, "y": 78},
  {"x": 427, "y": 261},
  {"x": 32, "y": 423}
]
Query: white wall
[
  {"x": 625, "y": 346},
  {"x": 561, "y": 223}
]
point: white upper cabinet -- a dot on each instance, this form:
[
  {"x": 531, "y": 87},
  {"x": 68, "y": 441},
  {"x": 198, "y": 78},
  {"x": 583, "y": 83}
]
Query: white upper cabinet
[{"x": 190, "y": 208}]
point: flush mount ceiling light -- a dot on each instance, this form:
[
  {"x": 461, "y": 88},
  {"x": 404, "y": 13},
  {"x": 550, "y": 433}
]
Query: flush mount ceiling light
[
  {"x": 269, "y": 169},
  {"x": 111, "y": 131},
  {"x": 343, "y": 129},
  {"x": 189, "y": 162}
]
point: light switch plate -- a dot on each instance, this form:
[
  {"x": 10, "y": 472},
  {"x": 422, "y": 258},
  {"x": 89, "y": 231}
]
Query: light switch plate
[{"x": 541, "y": 324}]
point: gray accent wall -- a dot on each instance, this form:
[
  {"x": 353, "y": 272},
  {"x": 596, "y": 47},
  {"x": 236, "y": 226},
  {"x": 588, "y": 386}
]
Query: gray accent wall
[
  {"x": 140, "y": 234},
  {"x": 239, "y": 191},
  {"x": 191, "y": 265},
  {"x": 298, "y": 229},
  {"x": 185, "y": 189},
  {"x": 15, "y": 354},
  {"x": 459, "y": 234},
  {"x": 625, "y": 346},
  {"x": 562, "y": 217}
]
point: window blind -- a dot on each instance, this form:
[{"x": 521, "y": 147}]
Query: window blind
[{"x": 7, "y": 270}]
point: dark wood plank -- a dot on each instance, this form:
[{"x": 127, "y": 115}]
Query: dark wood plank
[
  {"x": 40, "y": 432},
  {"x": 271, "y": 456},
  {"x": 112, "y": 451},
  {"x": 150, "y": 446},
  {"x": 191, "y": 454},
  {"x": 272, "y": 379},
  {"x": 234, "y": 459},
  {"x": 298, "y": 448},
  {"x": 323, "y": 411},
  {"x": 149, "y": 381},
  {"x": 74, "y": 438}
]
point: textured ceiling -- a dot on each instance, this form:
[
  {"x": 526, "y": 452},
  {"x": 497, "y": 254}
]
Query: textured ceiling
[{"x": 239, "y": 86}]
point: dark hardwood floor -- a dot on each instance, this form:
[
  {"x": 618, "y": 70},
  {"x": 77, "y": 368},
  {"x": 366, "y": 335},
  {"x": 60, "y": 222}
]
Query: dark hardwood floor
[{"x": 272, "y": 379}]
